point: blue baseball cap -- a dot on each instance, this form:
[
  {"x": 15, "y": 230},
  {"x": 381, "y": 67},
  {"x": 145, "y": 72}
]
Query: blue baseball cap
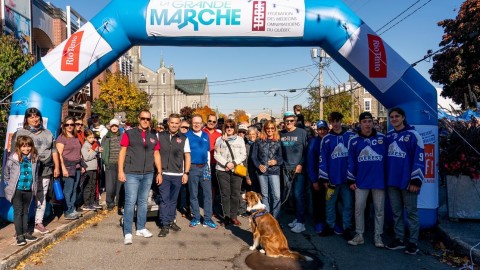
[
  {"x": 288, "y": 114},
  {"x": 322, "y": 124}
]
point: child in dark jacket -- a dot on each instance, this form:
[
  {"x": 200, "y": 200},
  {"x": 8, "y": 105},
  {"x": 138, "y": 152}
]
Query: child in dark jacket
[{"x": 20, "y": 184}]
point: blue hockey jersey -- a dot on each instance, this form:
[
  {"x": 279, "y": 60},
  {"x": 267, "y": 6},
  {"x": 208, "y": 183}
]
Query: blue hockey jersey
[
  {"x": 313, "y": 153},
  {"x": 405, "y": 161},
  {"x": 366, "y": 161},
  {"x": 333, "y": 157}
]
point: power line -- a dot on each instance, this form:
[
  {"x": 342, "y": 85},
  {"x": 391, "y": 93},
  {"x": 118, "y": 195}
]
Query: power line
[
  {"x": 401, "y": 13},
  {"x": 404, "y": 18}
]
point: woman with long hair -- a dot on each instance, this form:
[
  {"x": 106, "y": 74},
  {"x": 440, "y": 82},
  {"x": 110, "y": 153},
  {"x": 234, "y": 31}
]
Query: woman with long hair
[
  {"x": 69, "y": 151},
  {"x": 267, "y": 157},
  {"x": 229, "y": 152}
]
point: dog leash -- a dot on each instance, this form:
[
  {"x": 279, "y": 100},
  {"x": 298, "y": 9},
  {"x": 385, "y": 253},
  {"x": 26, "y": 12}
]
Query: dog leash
[{"x": 292, "y": 175}]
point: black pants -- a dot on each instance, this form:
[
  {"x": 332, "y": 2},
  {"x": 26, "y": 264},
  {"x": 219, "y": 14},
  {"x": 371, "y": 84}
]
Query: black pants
[
  {"x": 113, "y": 187},
  {"x": 21, "y": 202},
  {"x": 318, "y": 204},
  {"x": 89, "y": 185},
  {"x": 230, "y": 186}
]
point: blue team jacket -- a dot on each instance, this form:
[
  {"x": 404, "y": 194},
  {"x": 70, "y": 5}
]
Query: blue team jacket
[
  {"x": 333, "y": 158},
  {"x": 366, "y": 161},
  {"x": 405, "y": 161}
]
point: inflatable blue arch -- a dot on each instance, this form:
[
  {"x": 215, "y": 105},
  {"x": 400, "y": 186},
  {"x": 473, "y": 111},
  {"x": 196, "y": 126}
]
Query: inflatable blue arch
[{"x": 236, "y": 23}]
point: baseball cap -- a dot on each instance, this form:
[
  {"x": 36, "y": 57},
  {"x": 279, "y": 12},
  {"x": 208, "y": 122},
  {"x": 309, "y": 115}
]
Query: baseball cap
[
  {"x": 322, "y": 124},
  {"x": 242, "y": 127},
  {"x": 365, "y": 115},
  {"x": 114, "y": 122},
  {"x": 288, "y": 114}
]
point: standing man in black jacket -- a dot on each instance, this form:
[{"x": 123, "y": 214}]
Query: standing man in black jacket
[{"x": 175, "y": 153}]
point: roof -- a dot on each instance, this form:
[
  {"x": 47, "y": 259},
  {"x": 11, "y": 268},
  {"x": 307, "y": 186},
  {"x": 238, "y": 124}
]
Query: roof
[{"x": 191, "y": 87}]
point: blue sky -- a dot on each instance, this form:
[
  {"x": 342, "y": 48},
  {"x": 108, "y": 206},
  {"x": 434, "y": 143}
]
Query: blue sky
[{"x": 411, "y": 38}]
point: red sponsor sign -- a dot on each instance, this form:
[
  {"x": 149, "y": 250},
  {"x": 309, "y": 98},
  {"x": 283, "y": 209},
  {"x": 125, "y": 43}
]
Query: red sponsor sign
[
  {"x": 71, "y": 53},
  {"x": 377, "y": 58},
  {"x": 430, "y": 161},
  {"x": 259, "y": 16}
]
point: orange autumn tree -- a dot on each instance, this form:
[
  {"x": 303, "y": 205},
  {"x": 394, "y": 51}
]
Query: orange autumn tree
[
  {"x": 204, "y": 112},
  {"x": 241, "y": 116}
]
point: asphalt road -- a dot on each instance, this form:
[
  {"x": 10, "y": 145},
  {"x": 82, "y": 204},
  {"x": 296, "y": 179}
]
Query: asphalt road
[{"x": 101, "y": 247}]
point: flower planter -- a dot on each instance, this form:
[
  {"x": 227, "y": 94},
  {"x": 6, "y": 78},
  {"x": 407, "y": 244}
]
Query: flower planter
[{"x": 463, "y": 195}]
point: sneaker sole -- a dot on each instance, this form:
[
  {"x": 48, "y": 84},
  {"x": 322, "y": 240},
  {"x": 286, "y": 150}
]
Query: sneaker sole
[
  {"x": 355, "y": 243},
  {"x": 145, "y": 236},
  {"x": 127, "y": 243},
  {"x": 31, "y": 240},
  {"x": 38, "y": 231},
  {"x": 22, "y": 244},
  {"x": 411, "y": 253},
  {"x": 395, "y": 248},
  {"x": 210, "y": 227}
]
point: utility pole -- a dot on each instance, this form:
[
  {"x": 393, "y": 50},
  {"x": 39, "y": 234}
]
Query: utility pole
[
  {"x": 353, "y": 97},
  {"x": 323, "y": 57}
]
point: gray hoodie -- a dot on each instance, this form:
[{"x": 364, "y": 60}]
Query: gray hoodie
[{"x": 89, "y": 156}]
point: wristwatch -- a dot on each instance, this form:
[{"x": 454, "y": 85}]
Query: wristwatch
[{"x": 187, "y": 173}]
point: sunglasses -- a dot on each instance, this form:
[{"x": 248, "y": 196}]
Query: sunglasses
[
  {"x": 69, "y": 125},
  {"x": 78, "y": 124},
  {"x": 229, "y": 127},
  {"x": 185, "y": 127},
  {"x": 212, "y": 121},
  {"x": 145, "y": 119},
  {"x": 289, "y": 121},
  {"x": 270, "y": 128}
]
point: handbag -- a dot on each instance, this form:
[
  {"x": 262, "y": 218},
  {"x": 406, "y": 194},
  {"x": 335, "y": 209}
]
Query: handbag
[{"x": 240, "y": 169}]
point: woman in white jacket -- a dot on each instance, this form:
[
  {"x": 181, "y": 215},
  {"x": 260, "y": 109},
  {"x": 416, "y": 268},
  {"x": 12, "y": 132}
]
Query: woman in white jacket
[{"x": 229, "y": 152}]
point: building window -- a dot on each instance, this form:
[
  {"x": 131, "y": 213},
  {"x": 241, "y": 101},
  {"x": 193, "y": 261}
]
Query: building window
[
  {"x": 164, "y": 78},
  {"x": 367, "y": 104},
  {"x": 194, "y": 104}
]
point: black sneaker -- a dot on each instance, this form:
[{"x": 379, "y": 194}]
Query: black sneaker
[
  {"x": 411, "y": 249},
  {"x": 327, "y": 231},
  {"x": 21, "y": 241},
  {"x": 29, "y": 237},
  {"x": 347, "y": 234},
  {"x": 163, "y": 231},
  {"x": 175, "y": 227},
  {"x": 396, "y": 244}
]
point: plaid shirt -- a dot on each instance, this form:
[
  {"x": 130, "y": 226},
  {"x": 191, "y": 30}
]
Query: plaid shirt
[{"x": 26, "y": 178}]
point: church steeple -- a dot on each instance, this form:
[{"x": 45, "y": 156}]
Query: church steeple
[{"x": 162, "y": 63}]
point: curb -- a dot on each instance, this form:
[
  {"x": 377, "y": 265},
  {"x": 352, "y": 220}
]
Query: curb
[
  {"x": 459, "y": 246},
  {"x": 14, "y": 259}
]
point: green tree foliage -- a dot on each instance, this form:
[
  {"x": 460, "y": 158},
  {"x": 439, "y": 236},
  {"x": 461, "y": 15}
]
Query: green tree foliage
[
  {"x": 341, "y": 102},
  {"x": 458, "y": 64},
  {"x": 117, "y": 94},
  {"x": 13, "y": 63}
]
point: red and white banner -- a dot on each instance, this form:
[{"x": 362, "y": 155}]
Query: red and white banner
[
  {"x": 374, "y": 58},
  {"x": 75, "y": 54},
  {"x": 428, "y": 198}
]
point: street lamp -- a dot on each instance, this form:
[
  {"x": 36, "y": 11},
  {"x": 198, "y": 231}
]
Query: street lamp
[{"x": 285, "y": 98}]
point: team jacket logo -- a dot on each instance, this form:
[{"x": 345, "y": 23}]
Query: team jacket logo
[
  {"x": 395, "y": 151},
  {"x": 71, "y": 52},
  {"x": 339, "y": 151},
  {"x": 368, "y": 154},
  {"x": 377, "y": 57}
]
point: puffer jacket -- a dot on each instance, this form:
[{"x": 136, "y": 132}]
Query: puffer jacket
[
  {"x": 265, "y": 150},
  {"x": 12, "y": 175}
]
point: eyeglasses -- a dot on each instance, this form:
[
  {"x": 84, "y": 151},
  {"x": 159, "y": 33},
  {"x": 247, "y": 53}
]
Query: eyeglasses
[
  {"x": 212, "y": 121},
  {"x": 289, "y": 121},
  {"x": 69, "y": 125},
  {"x": 229, "y": 127},
  {"x": 185, "y": 127},
  {"x": 270, "y": 128},
  {"x": 145, "y": 119}
]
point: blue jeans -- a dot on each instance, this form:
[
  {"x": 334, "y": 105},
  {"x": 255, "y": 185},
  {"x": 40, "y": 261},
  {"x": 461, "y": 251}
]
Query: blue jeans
[
  {"x": 298, "y": 194},
  {"x": 137, "y": 187},
  {"x": 346, "y": 196},
  {"x": 70, "y": 191},
  {"x": 194, "y": 179},
  {"x": 168, "y": 194},
  {"x": 270, "y": 188}
]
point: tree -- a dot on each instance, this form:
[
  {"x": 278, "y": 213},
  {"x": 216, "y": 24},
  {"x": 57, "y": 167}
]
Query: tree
[
  {"x": 117, "y": 94},
  {"x": 204, "y": 112},
  {"x": 458, "y": 65},
  {"x": 341, "y": 102},
  {"x": 13, "y": 63},
  {"x": 240, "y": 116},
  {"x": 186, "y": 112}
]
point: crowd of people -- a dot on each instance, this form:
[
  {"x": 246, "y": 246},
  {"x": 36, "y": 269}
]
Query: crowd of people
[{"x": 331, "y": 167}]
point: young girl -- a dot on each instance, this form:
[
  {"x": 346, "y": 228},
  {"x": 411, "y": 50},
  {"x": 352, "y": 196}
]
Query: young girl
[
  {"x": 20, "y": 185},
  {"x": 89, "y": 155}
]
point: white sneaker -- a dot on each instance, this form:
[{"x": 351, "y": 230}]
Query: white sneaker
[
  {"x": 128, "y": 239},
  {"x": 298, "y": 228},
  {"x": 145, "y": 233},
  {"x": 378, "y": 241},
  {"x": 357, "y": 240},
  {"x": 293, "y": 223}
]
